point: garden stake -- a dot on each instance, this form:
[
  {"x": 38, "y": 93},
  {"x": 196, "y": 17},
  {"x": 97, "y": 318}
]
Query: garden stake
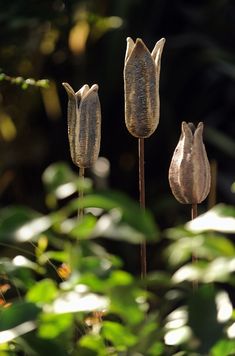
[
  {"x": 143, "y": 257},
  {"x": 80, "y": 191},
  {"x": 142, "y": 105},
  {"x": 189, "y": 172}
]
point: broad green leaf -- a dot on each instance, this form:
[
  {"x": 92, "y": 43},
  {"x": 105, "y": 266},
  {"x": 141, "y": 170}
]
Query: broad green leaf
[
  {"x": 220, "y": 218},
  {"x": 124, "y": 209},
  {"x": 157, "y": 349},
  {"x": 119, "y": 335},
  {"x": 223, "y": 347},
  {"x": 93, "y": 343},
  {"x": 62, "y": 182},
  {"x": 83, "y": 229},
  {"x": 52, "y": 325},
  {"x": 18, "y": 313},
  {"x": 42, "y": 292},
  {"x": 20, "y": 224},
  {"x": 35, "y": 346},
  {"x": 203, "y": 318}
]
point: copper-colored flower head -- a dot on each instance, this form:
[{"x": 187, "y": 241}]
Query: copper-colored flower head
[
  {"x": 141, "y": 86},
  {"x": 84, "y": 124},
  {"x": 189, "y": 173}
]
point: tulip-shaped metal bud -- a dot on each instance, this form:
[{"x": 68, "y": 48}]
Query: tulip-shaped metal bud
[
  {"x": 84, "y": 124},
  {"x": 189, "y": 173},
  {"x": 141, "y": 86}
]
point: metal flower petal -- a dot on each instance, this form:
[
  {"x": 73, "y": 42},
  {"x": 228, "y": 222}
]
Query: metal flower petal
[
  {"x": 189, "y": 173},
  {"x": 141, "y": 86},
  {"x": 84, "y": 124}
]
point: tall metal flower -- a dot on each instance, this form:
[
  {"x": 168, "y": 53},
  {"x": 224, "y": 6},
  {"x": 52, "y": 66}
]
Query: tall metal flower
[
  {"x": 84, "y": 124},
  {"x": 189, "y": 173},
  {"x": 141, "y": 86},
  {"x": 142, "y": 104}
]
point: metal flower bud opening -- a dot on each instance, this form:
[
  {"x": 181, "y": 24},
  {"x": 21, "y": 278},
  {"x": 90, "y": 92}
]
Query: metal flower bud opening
[
  {"x": 141, "y": 86},
  {"x": 189, "y": 173},
  {"x": 84, "y": 124}
]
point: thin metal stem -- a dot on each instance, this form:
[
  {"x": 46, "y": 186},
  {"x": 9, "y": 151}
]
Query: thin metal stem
[
  {"x": 194, "y": 256},
  {"x": 143, "y": 258},
  {"x": 80, "y": 192}
]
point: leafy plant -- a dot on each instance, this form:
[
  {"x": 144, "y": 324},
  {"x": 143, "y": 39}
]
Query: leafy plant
[{"x": 66, "y": 294}]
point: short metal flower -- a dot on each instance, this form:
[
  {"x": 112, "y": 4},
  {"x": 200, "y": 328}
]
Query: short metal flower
[
  {"x": 189, "y": 173},
  {"x": 84, "y": 124},
  {"x": 141, "y": 86}
]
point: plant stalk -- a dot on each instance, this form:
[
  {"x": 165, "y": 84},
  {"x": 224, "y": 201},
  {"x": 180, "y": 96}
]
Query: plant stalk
[
  {"x": 80, "y": 191},
  {"x": 143, "y": 258}
]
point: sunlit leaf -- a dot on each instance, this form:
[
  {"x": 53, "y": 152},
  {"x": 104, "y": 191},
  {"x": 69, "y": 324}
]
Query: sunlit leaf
[
  {"x": 20, "y": 224},
  {"x": 84, "y": 228},
  {"x": 220, "y": 218},
  {"x": 61, "y": 181},
  {"x": 44, "y": 291},
  {"x": 18, "y": 313},
  {"x": 124, "y": 208},
  {"x": 79, "y": 300},
  {"x": 223, "y": 347},
  {"x": 93, "y": 343},
  {"x": 118, "y": 335},
  {"x": 52, "y": 325}
]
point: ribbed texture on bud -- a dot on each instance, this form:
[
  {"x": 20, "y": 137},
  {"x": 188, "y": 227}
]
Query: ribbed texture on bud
[
  {"x": 84, "y": 124},
  {"x": 189, "y": 173},
  {"x": 141, "y": 86}
]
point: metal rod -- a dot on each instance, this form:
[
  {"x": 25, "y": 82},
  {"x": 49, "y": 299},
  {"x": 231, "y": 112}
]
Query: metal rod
[
  {"x": 80, "y": 191},
  {"x": 143, "y": 258}
]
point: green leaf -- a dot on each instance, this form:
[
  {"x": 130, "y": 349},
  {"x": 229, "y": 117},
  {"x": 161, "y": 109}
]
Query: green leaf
[
  {"x": 93, "y": 343},
  {"x": 52, "y": 325},
  {"x": 84, "y": 227},
  {"x": 223, "y": 347},
  {"x": 42, "y": 292},
  {"x": 119, "y": 335},
  {"x": 16, "y": 224},
  {"x": 220, "y": 218},
  {"x": 18, "y": 313},
  {"x": 123, "y": 208},
  {"x": 62, "y": 182},
  {"x": 36, "y": 346},
  {"x": 202, "y": 307}
]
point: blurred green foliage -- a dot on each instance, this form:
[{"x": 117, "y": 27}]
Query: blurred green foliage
[{"x": 63, "y": 293}]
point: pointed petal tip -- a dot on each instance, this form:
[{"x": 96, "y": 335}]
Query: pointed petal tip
[{"x": 68, "y": 88}]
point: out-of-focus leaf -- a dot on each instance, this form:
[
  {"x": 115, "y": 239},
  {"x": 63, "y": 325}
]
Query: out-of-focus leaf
[
  {"x": 203, "y": 318},
  {"x": 83, "y": 229},
  {"x": 206, "y": 245},
  {"x": 18, "y": 313},
  {"x": 219, "y": 270},
  {"x": 92, "y": 345},
  {"x": 220, "y": 140},
  {"x": 126, "y": 210},
  {"x": 62, "y": 182},
  {"x": 223, "y": 347},
  {"x": 124, "y": 303},
  {"x": 20, "y": 224},
  {"x": 44, "y": 291},
  {"x": 156, "y": 349},
  {"x": 158, "y": 278},
  {"x": 220, "y": 218},
  {"x": 119, "y": 335},
  {"x": 33, "y": 345},
  {"x": 52, "y": 325},
  {"x": 79, "y": 300}
]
